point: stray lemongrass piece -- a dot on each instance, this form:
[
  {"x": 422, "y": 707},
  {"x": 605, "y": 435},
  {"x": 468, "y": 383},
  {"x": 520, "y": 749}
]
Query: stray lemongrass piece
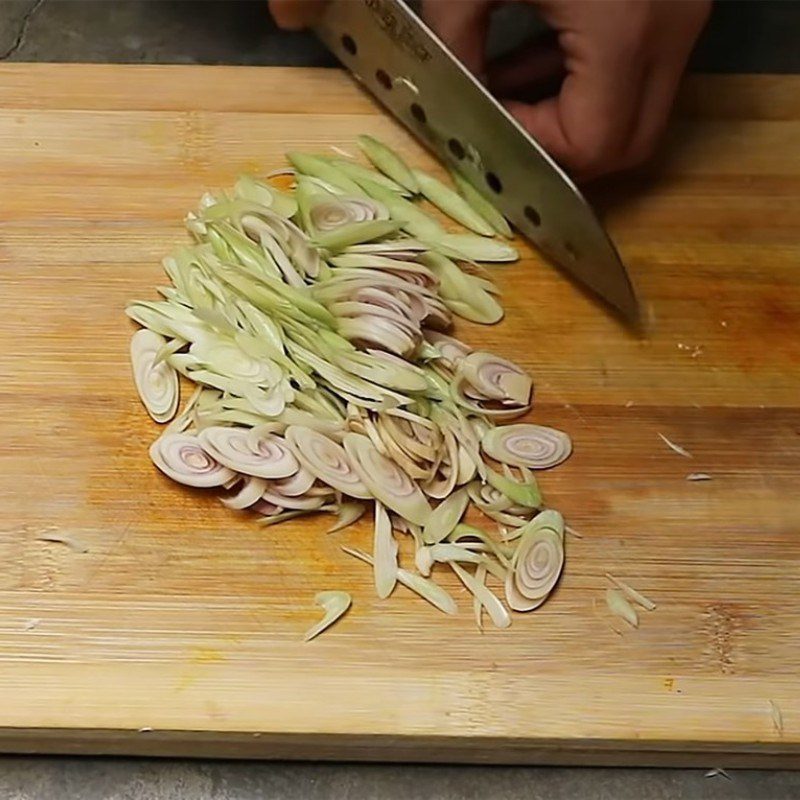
[
  {"x": 496, "y": 610},
  {"x": 335, "y": 604},
  {"x": 444, "y": 518},
  {"x": 384, "y": 553},
  {"x": 157, "y": 383},
  {"x": 451, "y": 203},
  {"x": 620, "y": 607},
  {"x": 632, "y": 594},
  {"x": 389, "y": 162},
  {"x": 676, "y": 448},
  {"x": 347, "y": 515},
  {"x": 698, "y": 476}
]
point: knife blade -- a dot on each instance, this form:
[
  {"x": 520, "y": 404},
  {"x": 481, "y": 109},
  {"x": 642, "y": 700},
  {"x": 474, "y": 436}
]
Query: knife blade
[{"x": 411, "y": 72}]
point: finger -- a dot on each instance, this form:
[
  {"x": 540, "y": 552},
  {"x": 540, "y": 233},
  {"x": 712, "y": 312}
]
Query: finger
[
  {"x": 294, "y": 15},
  {"x": 462, "y": 25},
  {"x": 540, "y": 64}
]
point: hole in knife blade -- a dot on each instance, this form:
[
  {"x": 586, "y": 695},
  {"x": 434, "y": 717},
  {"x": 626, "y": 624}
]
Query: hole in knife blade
[
  {"x": 495, "y": 184},
  {"x": 418, "y": 112},
  {"x": 383, "y": 79},
  {"x": 533, "y": 216},
  {"x": 349, "y": 44},
  {"x": 456, "y": 148}
]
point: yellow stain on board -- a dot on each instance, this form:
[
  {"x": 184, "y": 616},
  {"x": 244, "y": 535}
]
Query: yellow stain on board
[{"x": 199, "y": 657}]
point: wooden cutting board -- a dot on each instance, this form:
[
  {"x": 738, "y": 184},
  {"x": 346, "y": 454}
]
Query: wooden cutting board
[{"x": 163, "y": 623}]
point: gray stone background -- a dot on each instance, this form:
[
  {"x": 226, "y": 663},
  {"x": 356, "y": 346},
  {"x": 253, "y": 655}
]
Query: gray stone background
[{"x": 754, "y": 36}]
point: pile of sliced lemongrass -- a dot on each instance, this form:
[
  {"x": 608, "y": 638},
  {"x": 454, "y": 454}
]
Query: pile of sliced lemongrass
[{"x": 312, "y": 314}]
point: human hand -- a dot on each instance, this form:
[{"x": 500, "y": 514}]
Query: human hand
[{"x": 622, "y": 61}]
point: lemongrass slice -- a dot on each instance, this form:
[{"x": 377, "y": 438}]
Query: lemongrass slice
[
  {"x": 295, "y": 485},
  {"x": 526, "y": 445},
  {"x": 444, "y": 518},
  {"x": 482, "y": 206},
  {"x": 384, "y": 553},
  {"x": 496, "y": 378},
  {"x": 387, "y": 482},
  {"x": 266, "y": 457},
  {"x": 319, "y": 168},
  {"x": 359, "y": 174},
  {"x": 388, "y": 162},
  {"x": 477, "y": 606},
  {"x": 469, "y": 247},
  {"x": 632, "y": 594},
  {"x": 535, "y": 568},
  {"x": 328, "y": 215},
  {"x": 451, "y": 203},
  {"x": 156, "y": 383},
  {"x": 347, "y": 515},
  {"x": 304, "y": 503},
  {"x": 335, "y": 605},
  {"x": 426, "y": 588},
  {"x": 619, "y": 606},
  {"x": 250, "y": 493},
  {"x": 182, "y": 458},
  {"x": 498, "y": 613},
  {"x": 326, "y": 459},
  {"x": 339, "y": 238},
  {"x": 526, "y": 493}
]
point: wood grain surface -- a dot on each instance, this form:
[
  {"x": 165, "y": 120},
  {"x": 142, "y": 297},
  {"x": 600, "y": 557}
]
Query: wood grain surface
[{"x": 168, "y": 624}]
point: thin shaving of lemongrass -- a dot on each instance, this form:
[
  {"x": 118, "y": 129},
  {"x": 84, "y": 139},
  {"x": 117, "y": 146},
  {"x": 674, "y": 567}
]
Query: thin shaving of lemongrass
[
  {"x": 384, "y": 553},
  {"x": 469, "y": 247},
  {"x": 632, "y": 594},
  {"x": 527, "y": 445},
  {"x": 451, "y": 203},
  {"x": 619, "y": 606},
  {"x": 181, "y": 457},
  {"x": 698, "y": 476},
  {"x": 463, "y": 531},
  {"x": 718, "y": 771},
  {"x": 477, "y": 606},
  {"x": 482, "y": 206},
  {"x": 675, "y": 447},
  {"x": 444, "y": 518},
  {"x": 347, "y": 515},
  {"x": 180, "y": 423},
  {"x": 251, "y": 491},
  {"x": 335, "y": 604},
  {"x": 494, "y": 607},
  {"x": 167, "y": 349},
  {"x": 572, "y": 532},
  {"x": 341, "y": 151},
  {"x": 319, "y": 168},
  {"x": 265, "y": 457},
  {"x": 283, "y": 516},
  {"x": 157, "y": 385},
  {"x": 358, "y": 173},
  {"x": 389, "y": 162},
  {"x": 777, "y": 716},
  {"x": 305, "y": 503},
  {"x": 426, "y": 588}
]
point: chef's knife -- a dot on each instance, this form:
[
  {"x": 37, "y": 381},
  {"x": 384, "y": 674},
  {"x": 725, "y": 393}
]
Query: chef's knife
[{"x": 407, "y": 67}]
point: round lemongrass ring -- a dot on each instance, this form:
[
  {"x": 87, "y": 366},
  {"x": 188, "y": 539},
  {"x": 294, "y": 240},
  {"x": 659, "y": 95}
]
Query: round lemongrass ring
[
  {"x": 527, "y": 445},
  {"x": 327, "y": 460},
  {"x": 331, "y": 214},
  {"x": 182, "y": 458},
  {"x": 496, "y": 378},
  {"x": 535, "y": 569},
  {"x": 157, "y": 385},
  {"x": 266, "y": 457}
]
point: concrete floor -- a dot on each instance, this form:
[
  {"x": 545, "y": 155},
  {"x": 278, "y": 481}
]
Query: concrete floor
[{"x": 743, "y": 37}]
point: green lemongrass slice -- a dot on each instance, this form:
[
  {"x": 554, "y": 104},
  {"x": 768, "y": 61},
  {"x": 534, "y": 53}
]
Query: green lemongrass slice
[
  {"x": 157, "y": 384},
  {"x": 355, "y": 233},
  {"x": 248, "y": 188},
  {"x": 320, "y": 168},
  {"x": 469, "y": 247},
  {"x": 619, "y": 606},
  {"x": 384, "y": 553},
  {"x": 335, "y": 605},
  {"x": 525, "y": 494},
  {"x": 426, "y": 588},
  {"x": 463, "y": 293},
  {"x": 632, "y": 594},
  {"x": 413, "y": 219},
  {"x": 389, "y": 162},
  {"x": 464, "y": 532},
  {"x": 535, "y": 568},
  {"x": 384, "y": 369},
  {"x": 441, "y": 523},
  {"x": 167, "y": 349},
  {"x": 180, "y": 457},
  {"x": 347, "y": 515},
  {"x": 494, "y": 607},
  {"x": 359, "y": 173},
  {"x": 387, "y": 482},
  {"x": 451, "y": 203},
  {"x": 482, "y": 206},
  {"x": 526, "y": 445}
]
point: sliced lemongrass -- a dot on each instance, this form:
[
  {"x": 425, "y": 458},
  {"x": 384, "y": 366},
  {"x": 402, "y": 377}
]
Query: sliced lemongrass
[
  {"x": 384, "y": 553},
  {"x": 676, "y": 448},
  {"x": 496, "y": 378},
  {"x": 335, "y": 604},
  {"x": 444, "y": 518},
  {"x": 359, "y": 173},
  {"x": 326, "y": 459},
  {"x": 329, "y": 215},
  {"x": 463, "y": 531},
  {"x": 347, "y": 515},
  {"x": 265, "y": 457},
  {"x": 182, "y": 458},
  {"x": 469, "y": 247},
  {"x": 413, "y": 220},
  {"x": 535, "y": 568},
  {"x": 283, "y": 516},
  {"x": 477, "y": 606},
  {"x": 297, "y": 485},
  {"x": 632, "y": 594},
  {"x": 451, "y": 203},
  {"x": 305, "y": 503},
  {"x": 698, "y": 476},
  {"x": 249, "y": 188},
  {"x": 526, "y": 494},
  {"x": 619, "y": 606},
  {"x": 389, "y": 162},
  {"x": 250, "y": 493},
  {"x": 482, "y": 206},
  {"x": 319, "y": 168},
  {"x": 157, "y": 384},
  {"x": 526, "y": 445},
  {"x": 426, "y": 588},
  {"x": 494, "y": 607},
  {"x": 387, "y": 482}
]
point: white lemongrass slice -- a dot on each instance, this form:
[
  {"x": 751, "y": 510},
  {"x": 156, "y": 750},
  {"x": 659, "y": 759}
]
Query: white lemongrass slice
[
  {"x": 335, "y": 605},
  {"x": 676, "y": 448},
  {"x": 444, "y": 479},
  {"x": 426, "y": 588},
  {"x": 384, "y": 553},
  {"x": 326, "y": 459},
  {"x": 535, "y": 568},
  {"x": 496, "y": 378},
  {"x": 424, "y": 560},
  {"x": 498, "y": 613},
  {"x": 227, "y": 359},
  {"x": 619, "y": 606},
  {"x": 347, "y": 514},
  {"x": 526, "y": 445},
  {"x": 444, "y": 518},
  {"x": 268, "y": 457},
  {"x": 632, "y": 594},
  {"x": 248, "y": 495},
  {"x": 307, "y": 503},
  {"x": 328, "y": 215},
  {"x": 157, "y": 384},
  {"x": 387, "y": 482},
  {"x": 295, "y": 485},
  {"x": 182, "y": 458},
  {"x": 477, "y": 606}
]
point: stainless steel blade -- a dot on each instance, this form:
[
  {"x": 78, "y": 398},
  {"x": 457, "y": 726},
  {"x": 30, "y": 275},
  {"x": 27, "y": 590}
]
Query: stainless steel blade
[{"x": 404, "y": 64}]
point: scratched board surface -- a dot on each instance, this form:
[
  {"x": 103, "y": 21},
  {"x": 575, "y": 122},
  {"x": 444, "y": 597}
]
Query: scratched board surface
[{"x": 139, "y": 616}]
